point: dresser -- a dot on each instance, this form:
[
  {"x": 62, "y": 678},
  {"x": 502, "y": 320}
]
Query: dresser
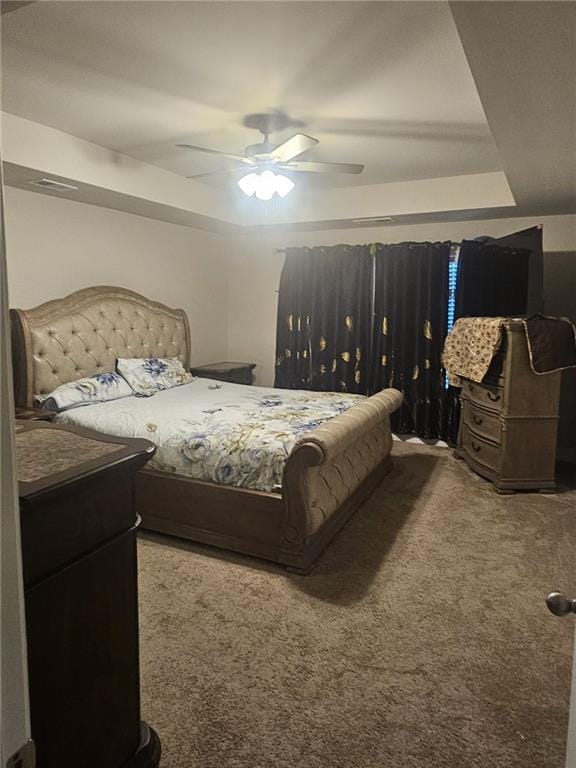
[
  {"x": 509, "y": 422},
  {"x": 78, "y": 531}
]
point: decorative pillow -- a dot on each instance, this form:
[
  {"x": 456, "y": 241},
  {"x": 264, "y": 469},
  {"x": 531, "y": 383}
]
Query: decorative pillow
[
  {"x": 149, "y": 375},
  {"x": 92, "y": 389}
]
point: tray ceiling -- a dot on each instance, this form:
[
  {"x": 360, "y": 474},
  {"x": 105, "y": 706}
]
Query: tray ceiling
[
  {"x": 460, "y": 110},
  {"x": 384, "y": 84}
]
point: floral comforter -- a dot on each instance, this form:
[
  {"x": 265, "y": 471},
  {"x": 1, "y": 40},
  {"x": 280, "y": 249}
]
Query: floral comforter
[{"x": 209, "y": 430}]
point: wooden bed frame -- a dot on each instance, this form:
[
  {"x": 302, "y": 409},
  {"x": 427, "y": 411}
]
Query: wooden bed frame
[{"x": 329, "y": 473}]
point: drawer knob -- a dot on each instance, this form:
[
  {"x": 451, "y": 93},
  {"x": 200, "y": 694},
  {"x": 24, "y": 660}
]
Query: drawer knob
[
  {"x": 475, "y": 447},
  {"x": 477, "y": 419},
  {"x": 493, "y": 397}
]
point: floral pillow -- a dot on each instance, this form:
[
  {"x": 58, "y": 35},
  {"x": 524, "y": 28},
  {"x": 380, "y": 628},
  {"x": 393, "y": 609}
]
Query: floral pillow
[
  {"x": 92, "y": 389},
  {"x": 149, "y": 375}
]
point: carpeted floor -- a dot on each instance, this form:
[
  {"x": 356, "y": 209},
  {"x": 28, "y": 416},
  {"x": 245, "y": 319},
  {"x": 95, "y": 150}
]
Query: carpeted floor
[{"x": 421, "y": 640}]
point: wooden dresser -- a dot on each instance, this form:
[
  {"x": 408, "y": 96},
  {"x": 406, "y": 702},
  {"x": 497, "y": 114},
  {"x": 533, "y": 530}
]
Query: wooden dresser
[
  {"x": 78, "y": 530},
  {"x": 508, "y": 424}
]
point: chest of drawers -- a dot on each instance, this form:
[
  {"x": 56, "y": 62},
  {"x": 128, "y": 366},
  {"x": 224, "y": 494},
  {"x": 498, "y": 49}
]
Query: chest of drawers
[
  {"x": 78, "y": 530},
  {"x": 509, "y": 422}
]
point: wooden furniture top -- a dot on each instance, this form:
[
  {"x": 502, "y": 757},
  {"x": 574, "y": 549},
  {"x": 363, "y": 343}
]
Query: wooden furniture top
[
  {"x": 34, "y": 414},
  {"x": 222, "y": 368},
  {"x": 49, "y": 456}
]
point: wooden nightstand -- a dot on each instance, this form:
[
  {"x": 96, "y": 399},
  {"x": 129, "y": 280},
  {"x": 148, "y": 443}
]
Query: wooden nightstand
[
  {"x": 34, "y": 414},
  {"x": 235, "y": 373}
]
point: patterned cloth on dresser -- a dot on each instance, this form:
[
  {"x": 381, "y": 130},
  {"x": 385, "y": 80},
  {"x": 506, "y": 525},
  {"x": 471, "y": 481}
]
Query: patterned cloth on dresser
[
  {"x": 473, "y": 341},
  {"x": 470, "y": 347}
]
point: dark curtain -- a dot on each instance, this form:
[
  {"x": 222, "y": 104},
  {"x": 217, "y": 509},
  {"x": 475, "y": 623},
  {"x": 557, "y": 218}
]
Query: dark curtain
[
  {"x": 530, "y": 241},
  {"x": 324, "y": 319},
  {"x": 492, "y": 281},
  {"x": 411, "y": 313}
]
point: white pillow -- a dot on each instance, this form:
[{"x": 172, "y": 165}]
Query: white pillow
[
  {"x": 92, "y": 389},
  {"x": 149, "y": 375}
]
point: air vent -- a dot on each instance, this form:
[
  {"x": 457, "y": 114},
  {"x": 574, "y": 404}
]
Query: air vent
[
  {"x": 56, "y": 186},
  {"x": 374, "y": 220}
]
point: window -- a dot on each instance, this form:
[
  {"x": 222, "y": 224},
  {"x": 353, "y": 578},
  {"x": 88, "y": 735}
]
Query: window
[{"x": 452, "y": 277}]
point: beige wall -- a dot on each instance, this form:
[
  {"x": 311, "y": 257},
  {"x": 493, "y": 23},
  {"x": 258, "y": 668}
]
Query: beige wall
[
  {"x": 56, "y": 246},
  {"x": 254, "y": 271}
]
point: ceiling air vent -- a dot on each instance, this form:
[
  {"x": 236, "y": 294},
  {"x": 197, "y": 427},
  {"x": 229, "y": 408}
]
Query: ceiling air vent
[
  {"x": 374, "y": 220},
  {"x": 55, "y": 186}
]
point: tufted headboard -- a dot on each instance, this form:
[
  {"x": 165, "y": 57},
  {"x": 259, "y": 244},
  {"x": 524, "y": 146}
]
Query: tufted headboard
[{"x": 82, "y": 334}]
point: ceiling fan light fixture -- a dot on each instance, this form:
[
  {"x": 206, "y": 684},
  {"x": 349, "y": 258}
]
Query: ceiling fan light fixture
[
  {"x": 249, "y": 183},
  {"x": 284, "y": 185},
  {"x": 264, "y": 185}
]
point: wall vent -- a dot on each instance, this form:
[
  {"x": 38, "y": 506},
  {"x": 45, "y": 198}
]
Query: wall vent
[
  {"x": 374, "y": 220},
  {"x": 56, "y": 186}
]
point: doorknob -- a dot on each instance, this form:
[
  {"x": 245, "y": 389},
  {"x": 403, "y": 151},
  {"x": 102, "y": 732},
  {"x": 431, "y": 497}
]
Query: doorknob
[{"x": 559, "y": 604}]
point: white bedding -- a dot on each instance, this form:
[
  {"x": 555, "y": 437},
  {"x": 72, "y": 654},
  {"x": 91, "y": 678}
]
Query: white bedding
[{"x": 224, "y": 433}]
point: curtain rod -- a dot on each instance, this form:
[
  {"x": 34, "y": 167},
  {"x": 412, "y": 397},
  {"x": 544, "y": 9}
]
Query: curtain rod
[{"x": 454, "y": 242}]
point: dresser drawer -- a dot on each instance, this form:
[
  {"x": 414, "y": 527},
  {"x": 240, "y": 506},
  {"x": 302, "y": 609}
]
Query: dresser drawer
[
  {"x": 485, "y": 395},
  {"x": 483, "y": 423},
  {"x": 480, "y": 450}
]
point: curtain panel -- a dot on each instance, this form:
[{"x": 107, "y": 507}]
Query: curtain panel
[
  {"x": 410, "y": 324},
  {"x": 324, "y": 319},
  {"x": 492, "y": 280}
]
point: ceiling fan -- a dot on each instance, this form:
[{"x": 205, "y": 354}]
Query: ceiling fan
[{"x": 263, "y": 160}]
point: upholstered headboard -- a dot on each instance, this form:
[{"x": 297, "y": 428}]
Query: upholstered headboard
[{"x": 82, "y": 334}]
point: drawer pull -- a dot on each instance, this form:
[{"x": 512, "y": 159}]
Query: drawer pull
[
  {"x": 493, "y": 397},
  {"x": 477, "y": 419},
  {"x": 475, "y": 447}
]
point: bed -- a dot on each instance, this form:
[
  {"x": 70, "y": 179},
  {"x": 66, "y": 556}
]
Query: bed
[{"x": 336, "y": 451}]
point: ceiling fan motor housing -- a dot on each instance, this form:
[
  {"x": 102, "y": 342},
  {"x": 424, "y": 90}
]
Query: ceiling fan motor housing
[
  {"x": 259, "y": 149},
  {"x": 268, "y": 122}
]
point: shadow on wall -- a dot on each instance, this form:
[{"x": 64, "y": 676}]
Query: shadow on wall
[
  {"x": 560, "y": 300},
  {"x": 369, "y": 546}
]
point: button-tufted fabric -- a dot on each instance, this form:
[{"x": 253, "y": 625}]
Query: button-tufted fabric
[
  {"x": 328, "y": 464},
  {"x": 83, "y": 334}
]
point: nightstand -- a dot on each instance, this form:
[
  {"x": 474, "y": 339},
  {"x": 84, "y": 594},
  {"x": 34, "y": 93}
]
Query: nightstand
[
  {"x": 34, "y": 414},
  {"x": 235, "y": 373}
]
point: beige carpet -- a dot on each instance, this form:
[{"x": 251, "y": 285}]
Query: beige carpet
[{"x": 420, "y": 640}]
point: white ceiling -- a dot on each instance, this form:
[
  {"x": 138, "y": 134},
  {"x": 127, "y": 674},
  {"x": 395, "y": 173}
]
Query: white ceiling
[
  {"x": 384, "y": 84},
  {"x": 460, "y": 110}
]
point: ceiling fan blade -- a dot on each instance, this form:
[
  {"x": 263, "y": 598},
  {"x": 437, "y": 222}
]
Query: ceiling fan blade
[
  {"x": 309, "y": 167},
  {"x": 241, "y": 169},
  {"x": 292, "y": 147},
  {"x": 241, "y": 158}
]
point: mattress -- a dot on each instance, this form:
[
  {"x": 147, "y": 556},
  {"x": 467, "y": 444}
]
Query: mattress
[{"x": 230, "y": 434}]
